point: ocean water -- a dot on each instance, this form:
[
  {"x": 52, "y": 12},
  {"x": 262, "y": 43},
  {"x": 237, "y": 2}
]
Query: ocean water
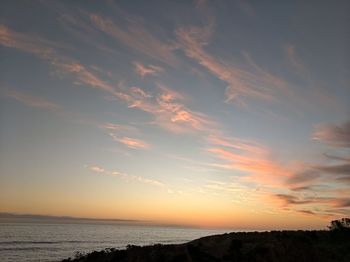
[{"x": 53, "y": 242}]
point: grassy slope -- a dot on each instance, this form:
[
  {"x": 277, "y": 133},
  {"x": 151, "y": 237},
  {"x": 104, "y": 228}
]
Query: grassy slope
[{"x": 282, "y": 246}]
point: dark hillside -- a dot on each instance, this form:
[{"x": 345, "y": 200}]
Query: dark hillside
[{"x": 281, "y": 246}]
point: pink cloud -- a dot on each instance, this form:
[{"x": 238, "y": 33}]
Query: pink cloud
[
  {"x": 30, "y": 100},
  {"x": 335, "y": 135},
  {"x": 97, "y": 169},
  {"x": 317, "y": 205},
  {"x": 111, "y": 127},
  {"x": 26, "y": 43},
  {"x": 256, "y": 83},
  {"x": 47, "y": 50},
  {"x": 135, "y": 36},
  {"x": 239, "y": 144},
  {"x": 133, "y": 143},
  {"x": 167, "y": 106},
  {"x": 259, "y": 167},
  {"x": 294, "y": 60},
  {"x": 144, "y": 70},
  {"x": 130, "y": 142},
  {"x": 168, "y": 95},
  {"x": 174, "y": 115},
  {"x": 84, "y": 75},
  {"x": 247, "y": 163}
]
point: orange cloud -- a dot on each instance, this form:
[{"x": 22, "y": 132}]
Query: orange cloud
[
  {"x": 260, "y": 169},
  {"x": 143, "y": 70},
  {"x": 30, "y": 100}
]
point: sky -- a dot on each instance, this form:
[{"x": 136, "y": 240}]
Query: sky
[{"x": 219, "y": 113}]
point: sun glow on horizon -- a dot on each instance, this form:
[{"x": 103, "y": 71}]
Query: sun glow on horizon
[{"x": 205, "y": 114}]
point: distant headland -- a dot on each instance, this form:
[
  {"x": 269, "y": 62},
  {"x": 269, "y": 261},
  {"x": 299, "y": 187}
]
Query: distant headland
[
  {"x": 7, "y": 217},
  {"x": 33, "y": 218}
]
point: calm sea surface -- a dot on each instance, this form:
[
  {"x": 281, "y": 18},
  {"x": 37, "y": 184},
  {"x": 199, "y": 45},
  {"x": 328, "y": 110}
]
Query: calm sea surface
[{"x": 53, "y": 242}]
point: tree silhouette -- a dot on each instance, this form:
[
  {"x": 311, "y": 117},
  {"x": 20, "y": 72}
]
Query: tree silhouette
[{"x": 340, "y": 224}]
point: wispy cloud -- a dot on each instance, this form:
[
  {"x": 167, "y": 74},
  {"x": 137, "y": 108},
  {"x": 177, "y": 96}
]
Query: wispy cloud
[
  {"x": 30, "y": 100},
  {"x": 135, "y": 36},
  {"x": 303, "y": 178},
  {"x": 259, "y": 168},
  {"x": 335, "y": 135},
  {"x": 97, "y": 169},
  {"x": 144, "y": 70},
  {"x": 294, "y": 60},
  {"x": 111, "y": 127},
  {"x": 240, "y": 191},
  {"x": 326, "y": 202},
  {"x": 121, "y": 134},
  {"x": 249, "y": 157},
  {"x": 320, "y": 175},
  {"x": 127, "y": 177},
  {"x": 302, "y": 184},
  {"x": 292, "y": 200},
  {"x": 166, "y": 106},
  {"x": 48, "y": 51},
  {"x": 238, "y": 144},
  {"x": 256, "y": 83},
  {"x": 331, "y": 178},
  {"x": 131, "y": 142},
  {"x": 27, "y": 43},
  {"x": 343, "y": 203},
  {"x": 174, "y": 115},
  {"x": 83, "y": 75}
]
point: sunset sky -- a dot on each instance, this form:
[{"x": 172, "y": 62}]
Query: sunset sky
[{"x": 208, "y": 113}]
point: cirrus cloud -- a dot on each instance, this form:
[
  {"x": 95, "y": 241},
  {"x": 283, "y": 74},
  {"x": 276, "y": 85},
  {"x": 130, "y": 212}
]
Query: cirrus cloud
[
  {"x": 30, "y": 100},
  {"x": 144, "y": 70},
  {"x": 335, "y": 135},
  {"x": 127, "y": 177}
]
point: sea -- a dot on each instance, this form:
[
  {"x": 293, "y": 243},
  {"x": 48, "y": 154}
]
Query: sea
[{"x": 31, "y": 242}]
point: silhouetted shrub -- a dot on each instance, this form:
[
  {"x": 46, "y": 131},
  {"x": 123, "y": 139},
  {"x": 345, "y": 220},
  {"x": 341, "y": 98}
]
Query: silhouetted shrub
[{"x": 340, "y": 224}]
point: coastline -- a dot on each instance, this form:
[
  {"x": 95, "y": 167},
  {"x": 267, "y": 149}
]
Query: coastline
[{"x": 282, "y": 246}]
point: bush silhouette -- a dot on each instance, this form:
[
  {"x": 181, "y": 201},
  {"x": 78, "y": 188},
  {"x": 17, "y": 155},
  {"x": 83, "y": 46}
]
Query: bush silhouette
[{"x": 340, "y": 224}]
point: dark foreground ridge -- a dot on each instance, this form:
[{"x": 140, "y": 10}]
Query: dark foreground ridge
[{"x": 281, "y": 246}]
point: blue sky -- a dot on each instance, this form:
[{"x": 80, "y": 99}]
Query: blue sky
[{"x": 174, "y": 110}]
